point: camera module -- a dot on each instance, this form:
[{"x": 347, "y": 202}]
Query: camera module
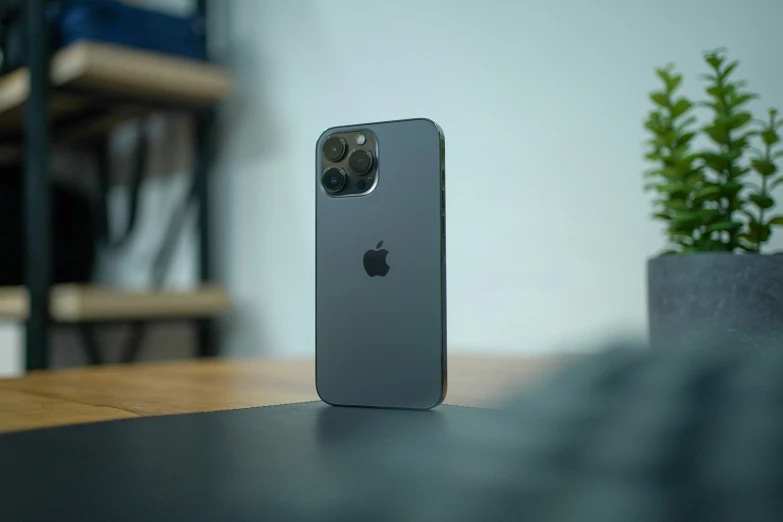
[
  {"x": 334, "y": 148},
  {"x": 334, "y": 180},
  {"x": 360, "y": 161}
]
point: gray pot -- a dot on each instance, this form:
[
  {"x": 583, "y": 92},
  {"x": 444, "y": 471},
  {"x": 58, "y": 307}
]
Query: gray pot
[{"x": 715, "y": 298}]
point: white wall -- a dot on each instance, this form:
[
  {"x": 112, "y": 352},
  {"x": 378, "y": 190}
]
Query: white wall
[
  {"x": 542, "y": 107},
  {"x": 541, "y": 104}
]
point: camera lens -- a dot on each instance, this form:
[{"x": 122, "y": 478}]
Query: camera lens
[
  {"x": 334, "y": 148},
  {"x": 360, "y": 161},
  {"x": 334, "y": 180}
]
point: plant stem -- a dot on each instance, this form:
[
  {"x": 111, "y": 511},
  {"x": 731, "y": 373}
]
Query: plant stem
[
  {"x": 732, "y": 201},
  {"x": 767, "y": 157},
  {"x": 761, "y": 210}
]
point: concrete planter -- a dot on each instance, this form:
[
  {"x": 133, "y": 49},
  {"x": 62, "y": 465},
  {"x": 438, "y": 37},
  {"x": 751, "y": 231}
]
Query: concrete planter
[{"x": 715, "y": 298}]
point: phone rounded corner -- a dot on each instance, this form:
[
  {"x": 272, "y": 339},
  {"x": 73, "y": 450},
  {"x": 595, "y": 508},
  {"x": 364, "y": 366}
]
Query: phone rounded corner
[
  {"x": 444, "y": 389},
  {"x": 321, "y": 395},
  {"x": 437, "y": 403},
  {"x": 323, "y": 136},
  {"x": 438, "y": 128},
  {"x": 440, "y": 400}
]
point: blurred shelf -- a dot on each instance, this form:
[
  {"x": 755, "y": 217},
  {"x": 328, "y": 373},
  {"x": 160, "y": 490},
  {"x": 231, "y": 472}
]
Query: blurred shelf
[
  {"x": 83, "y": 303},
  {"x": 96, "y": 85}
]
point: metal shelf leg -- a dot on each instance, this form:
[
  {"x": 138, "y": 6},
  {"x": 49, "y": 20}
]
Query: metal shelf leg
[
  {"x": 207, "y": 346},
  {"x": 205, "y": 123},
  {"x": 36, "y": 189}
]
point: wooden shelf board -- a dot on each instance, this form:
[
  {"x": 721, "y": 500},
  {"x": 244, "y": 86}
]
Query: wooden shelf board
[
  {"x": 77, "y": 303},
  {"x": 113, "y": 69},
  {"x": 105, "y": 70}
]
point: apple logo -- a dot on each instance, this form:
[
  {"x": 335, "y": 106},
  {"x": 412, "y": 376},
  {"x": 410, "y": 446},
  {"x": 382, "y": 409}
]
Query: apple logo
[{"x": 375, "y": 261}]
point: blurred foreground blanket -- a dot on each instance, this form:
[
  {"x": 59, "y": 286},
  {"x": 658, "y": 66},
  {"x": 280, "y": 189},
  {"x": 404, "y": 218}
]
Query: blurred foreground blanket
[{"x": 626, "y": 435}]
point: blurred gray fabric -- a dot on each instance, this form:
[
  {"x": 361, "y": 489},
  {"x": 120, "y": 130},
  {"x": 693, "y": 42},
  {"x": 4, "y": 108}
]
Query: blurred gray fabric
[{"x": 627, "y": 435}]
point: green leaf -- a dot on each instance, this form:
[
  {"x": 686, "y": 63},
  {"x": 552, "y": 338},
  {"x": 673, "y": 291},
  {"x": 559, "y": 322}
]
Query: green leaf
[
  {"x": 684, "y": 124},
  {"x": 662, "y": 215},
  {"x": 715, "y": 245},
  {"x": 716, "y": 91},
  {"x": 707, "y": 105},
  {"x": 762, "y": 200},
  {"x": 709, "y": 215},
  {"x": 770, "y": 137},
  {"x": 669, "y": 174},
  {"x": 778, "y": 154},
  {"x": 733, "y": 154},
  {"x": 653, "y": 126},
  {"x": 684, "y": 237},
  {"x": 764, "y": 167},
  {"x": 739, "y": 120},
  {"x": 741, "y": 99},
  {"x": 660, "y": 98},
  {"x": 685, "y": 138},
  {"x": 718, "y": 133},
  {"x": 775, "y": 183},
  {"x": 671, "y": 188},
  {"x": 724, "y": 225},
  {"x": 760, "y": 233},
  {"x": 680, "y": 107},
  {"x": 664, "y": 141},
  {"x": 669, "y": 77},
  {"x": 663, "y": 73},
  {"x": 675, "y": 204},
  {"x": 736, "y": 171},
  {"x": 729, "y": 68},
  {"x": 776, "y": 221},
  {"x": 716, "y": 162},
  {"x": 742, "y": 141},
  {"x": 730, "y": 188},
  {"x": 705, "y": 193},
  {"x": 714, "y": 58},
  {"x": 686, "y": 218}
]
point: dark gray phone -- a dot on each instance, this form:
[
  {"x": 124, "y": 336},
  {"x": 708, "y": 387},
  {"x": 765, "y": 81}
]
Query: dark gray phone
[{"x": 380, "y": 276}]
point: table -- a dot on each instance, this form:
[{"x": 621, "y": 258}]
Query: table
[{"x": 56, "y": 398}]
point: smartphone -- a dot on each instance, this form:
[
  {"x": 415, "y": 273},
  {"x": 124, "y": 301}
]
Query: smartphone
[{"x": 380, "y": 265}]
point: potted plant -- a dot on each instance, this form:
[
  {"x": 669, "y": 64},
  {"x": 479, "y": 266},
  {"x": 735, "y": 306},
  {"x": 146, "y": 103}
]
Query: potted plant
[{"x": 712, "y": 183}]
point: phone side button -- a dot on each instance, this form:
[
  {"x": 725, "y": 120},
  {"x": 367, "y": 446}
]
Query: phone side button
[{"x": 443, "y": 224}]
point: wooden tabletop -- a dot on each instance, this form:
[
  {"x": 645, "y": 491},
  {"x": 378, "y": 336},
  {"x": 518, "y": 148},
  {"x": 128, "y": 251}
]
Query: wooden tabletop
[
  {"x": 55, "y": 398},
  {"x": 77, "y": 303}
]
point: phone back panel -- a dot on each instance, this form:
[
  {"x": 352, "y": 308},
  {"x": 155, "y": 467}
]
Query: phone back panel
[{"x": 381, "y": 341}]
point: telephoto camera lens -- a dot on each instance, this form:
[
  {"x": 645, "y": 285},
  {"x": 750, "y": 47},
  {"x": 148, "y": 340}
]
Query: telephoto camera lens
[
  {"x": 334, "y": 148},
  {"x": 360, "y": 161},
  {"x": 334, "y": 180}
]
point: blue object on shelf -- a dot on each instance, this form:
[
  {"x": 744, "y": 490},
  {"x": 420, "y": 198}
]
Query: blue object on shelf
[{"x": 114, "y": 22}]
